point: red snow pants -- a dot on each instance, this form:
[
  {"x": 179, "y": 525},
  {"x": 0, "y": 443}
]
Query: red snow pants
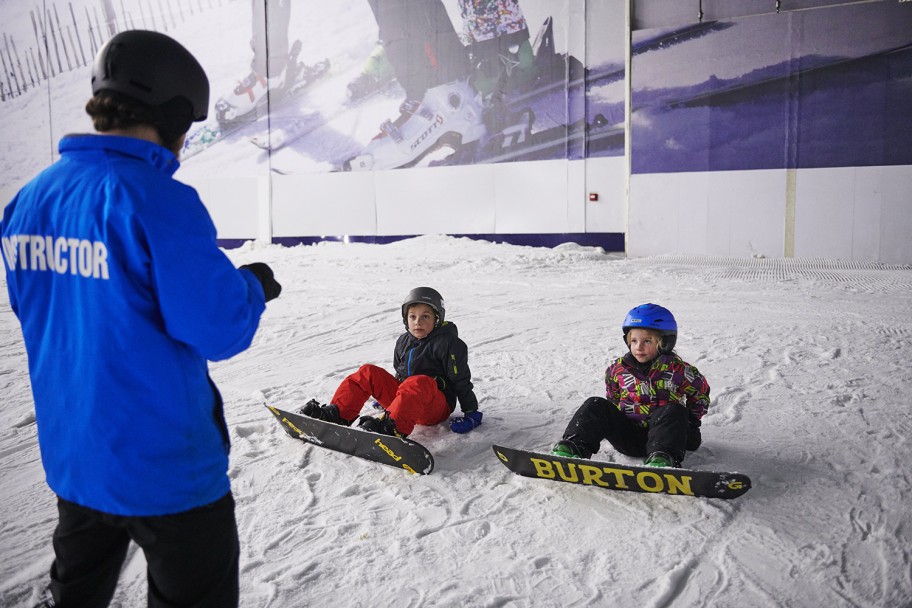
[{"x": 415, "y": 400}]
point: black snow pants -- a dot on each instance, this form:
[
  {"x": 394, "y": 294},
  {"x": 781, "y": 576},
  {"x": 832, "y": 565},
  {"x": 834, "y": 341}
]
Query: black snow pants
[
  {"x": 670, "y": 430},
  {"x": 192, "y": 557}
]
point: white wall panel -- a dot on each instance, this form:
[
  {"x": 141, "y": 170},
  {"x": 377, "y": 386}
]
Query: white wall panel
[
  {"x": 323, "y": 204},
  {"x": 575, "y": 193},
  {"x": 531, "y": 197},
  {"x": 605, "y": 177},
  {"x": 825, "y": 212},
  {"x": 737, "y": 213},
  {"x": 745, "y": 213},
  {"x": 859, "y": 213},
  {"x": 658, "y": 207},
  {"x": 893, "y": 186},
  {"x": 439, "y": 200},
  {"x": 232, "y": 203}
]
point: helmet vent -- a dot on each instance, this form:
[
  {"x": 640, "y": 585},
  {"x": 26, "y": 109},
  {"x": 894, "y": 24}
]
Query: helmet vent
[{"x": 142, "y": 86}]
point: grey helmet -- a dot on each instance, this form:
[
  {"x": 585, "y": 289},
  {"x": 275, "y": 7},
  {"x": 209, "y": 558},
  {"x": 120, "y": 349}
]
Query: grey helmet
[
  {"x": 154, "y": 70},
  {"x": 424, "y": 295}
]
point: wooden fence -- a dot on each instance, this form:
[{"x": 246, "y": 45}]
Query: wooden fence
[{"x": 66, "y": 38}]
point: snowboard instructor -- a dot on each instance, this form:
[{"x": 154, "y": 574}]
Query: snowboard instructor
[{"x": 123, "y": 295}]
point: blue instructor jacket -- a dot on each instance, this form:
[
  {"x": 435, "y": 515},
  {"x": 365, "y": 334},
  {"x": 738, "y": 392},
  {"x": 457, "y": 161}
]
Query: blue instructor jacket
[{"x": 114, "y": 273}]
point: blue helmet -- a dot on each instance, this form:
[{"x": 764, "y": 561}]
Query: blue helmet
[{"x": 654, "y": 317}]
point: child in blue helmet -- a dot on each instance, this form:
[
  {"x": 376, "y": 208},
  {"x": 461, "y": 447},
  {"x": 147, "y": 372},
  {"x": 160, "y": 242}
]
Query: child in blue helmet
[{"x": 654, "y": 400}]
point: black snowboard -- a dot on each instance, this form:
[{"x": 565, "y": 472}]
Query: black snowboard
[
  {"x": 614, "y": 476},
  {"x": 396, "y": 452}
]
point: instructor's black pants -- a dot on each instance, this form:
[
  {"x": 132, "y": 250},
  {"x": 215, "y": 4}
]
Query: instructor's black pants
[{"x": 192, "y": 556}]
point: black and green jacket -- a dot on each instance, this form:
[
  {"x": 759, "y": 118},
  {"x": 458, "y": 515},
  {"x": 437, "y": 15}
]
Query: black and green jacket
[{"x": 443, "y": 356}]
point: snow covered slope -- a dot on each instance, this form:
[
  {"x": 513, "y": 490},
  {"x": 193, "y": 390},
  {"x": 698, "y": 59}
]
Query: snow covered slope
[{"x": 809, "y": 366}]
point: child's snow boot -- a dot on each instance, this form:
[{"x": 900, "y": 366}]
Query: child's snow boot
[
  {"x": 566, "y": 449},
  {"x": 661, "y": 459},
  {"x": 329, "y": 413},
  {"x": 384, "y": 425}
]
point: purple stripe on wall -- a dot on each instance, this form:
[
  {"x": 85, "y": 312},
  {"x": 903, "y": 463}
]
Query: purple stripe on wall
[{"x": 609, "y": 241}]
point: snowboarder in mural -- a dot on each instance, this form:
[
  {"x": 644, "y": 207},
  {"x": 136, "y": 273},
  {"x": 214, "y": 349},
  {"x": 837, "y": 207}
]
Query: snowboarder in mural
[
  {"x": 451, "y": 89},
  {"x": 268, "y": 68},
  {"x": 496, "y": 37},
  {"x": 275, "y": 71},
  {"x": 460, "y": 93}
]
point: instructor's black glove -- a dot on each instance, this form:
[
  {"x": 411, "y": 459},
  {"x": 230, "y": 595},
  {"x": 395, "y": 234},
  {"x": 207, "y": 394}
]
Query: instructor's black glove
[{"x": 263, "y": 273}]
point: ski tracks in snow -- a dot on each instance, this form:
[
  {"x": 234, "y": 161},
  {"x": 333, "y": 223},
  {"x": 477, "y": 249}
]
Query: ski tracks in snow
[
  {"x": 824, "y": 388},
  {"x": 538, "y": 348},
  {"x": 809, "y": 397}
]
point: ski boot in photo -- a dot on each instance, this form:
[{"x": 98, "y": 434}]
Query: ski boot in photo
[
  {"x": 253, "y": 91},
  {"x": 500, "y": 71},
  {"x": 250, "y": 93},
  {"x": 450, "y": 115},
  {"x": 376, "y": 75}
]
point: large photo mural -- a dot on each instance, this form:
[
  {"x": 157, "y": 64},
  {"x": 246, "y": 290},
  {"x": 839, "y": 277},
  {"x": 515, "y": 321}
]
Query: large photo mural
[
  {"x": 386, "y": 84},
  {"x": 306, "y": 86},
  {"x": 302, "y": 87},
  {"x": 829, "y": 87}
]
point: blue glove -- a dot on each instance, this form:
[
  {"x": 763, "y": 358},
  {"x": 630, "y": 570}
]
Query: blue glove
[{"x": 464, "y": 424}]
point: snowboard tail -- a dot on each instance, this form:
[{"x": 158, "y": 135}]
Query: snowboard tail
[
  {"x": 615, "y": 476},
  {"x": 399, "y": 452}
]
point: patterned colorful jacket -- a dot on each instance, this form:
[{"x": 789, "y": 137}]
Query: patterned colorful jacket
[{"x": 669, "y": 379}]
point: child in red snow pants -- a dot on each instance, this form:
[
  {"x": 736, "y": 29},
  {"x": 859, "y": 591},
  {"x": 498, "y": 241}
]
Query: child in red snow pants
[{"x": 415, "y": 400}]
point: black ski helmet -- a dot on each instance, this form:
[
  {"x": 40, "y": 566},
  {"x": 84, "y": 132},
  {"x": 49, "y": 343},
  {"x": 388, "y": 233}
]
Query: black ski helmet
[
  {"x": 424, "y": 295},
  {"x": 654, "y": 317},
  {"x": 154, "y": 70}
]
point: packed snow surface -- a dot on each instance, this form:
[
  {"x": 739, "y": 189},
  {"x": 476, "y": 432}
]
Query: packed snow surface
[{"x": 809, "y": 366}]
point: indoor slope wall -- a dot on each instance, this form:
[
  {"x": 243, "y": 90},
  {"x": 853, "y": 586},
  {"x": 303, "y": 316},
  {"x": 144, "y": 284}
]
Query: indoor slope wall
[
  {"x": 752, "y": 131},
  {"x": 773, "y": 133}
]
